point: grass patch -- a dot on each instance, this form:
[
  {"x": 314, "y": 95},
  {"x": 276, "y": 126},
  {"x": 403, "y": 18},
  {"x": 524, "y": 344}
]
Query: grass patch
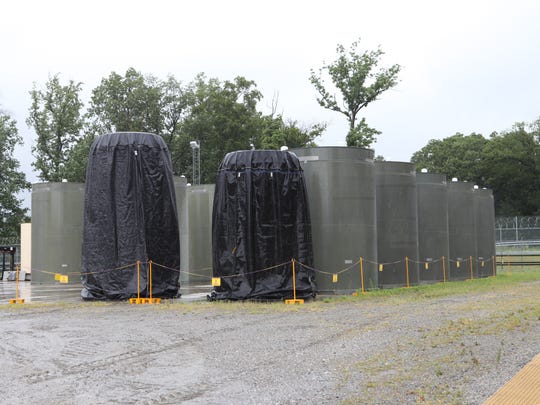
[{"x": 478, "y": 285}]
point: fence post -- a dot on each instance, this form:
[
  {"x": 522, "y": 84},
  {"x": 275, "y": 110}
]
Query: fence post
[
  {"x": 444, "y": 269},
  {"x": 470, "y": 267},
  {"x": 362, "y": 273},
  {"x": 294, "y": 300},
  {"x": 407, "y": 269}
]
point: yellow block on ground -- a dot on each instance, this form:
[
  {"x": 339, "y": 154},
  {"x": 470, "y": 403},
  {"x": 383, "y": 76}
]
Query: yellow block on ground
[
  {"x": 145, "y": 300},
  {"x": 16, "y": 301},
  {"x": 522, "y": 389}
]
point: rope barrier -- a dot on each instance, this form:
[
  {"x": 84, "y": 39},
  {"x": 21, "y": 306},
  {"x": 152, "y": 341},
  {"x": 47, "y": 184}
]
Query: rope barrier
[{"x": 480, "y": 262}]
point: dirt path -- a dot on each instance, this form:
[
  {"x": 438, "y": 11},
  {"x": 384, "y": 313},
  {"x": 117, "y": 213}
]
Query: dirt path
[{"x": 457, "y": 349}]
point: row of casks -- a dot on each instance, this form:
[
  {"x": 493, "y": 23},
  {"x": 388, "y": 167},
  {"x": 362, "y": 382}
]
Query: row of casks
[
  {"x": 386, "y": 225},
  {"x": 57, "y": 229},
  {"x": 382, "y": 212}
]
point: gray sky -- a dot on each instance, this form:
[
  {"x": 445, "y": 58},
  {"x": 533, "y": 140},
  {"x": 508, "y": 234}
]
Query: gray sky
[{"x": 468, "y": 66}]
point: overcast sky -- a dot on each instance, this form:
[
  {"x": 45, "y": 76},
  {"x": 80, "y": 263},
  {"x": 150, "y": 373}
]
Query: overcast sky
[{"x": 468, "y": 66}]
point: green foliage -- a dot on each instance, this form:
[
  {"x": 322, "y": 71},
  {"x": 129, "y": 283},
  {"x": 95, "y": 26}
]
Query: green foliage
[
  {"x": 277, "y": 132},
  {"x": 55, "y": 115},
  {"x": 511, "y": 166},
  {"x": 362, "y": 135},
  {"x": 508, "y": 163},
  {"x": 126, "y": 103},
  {"x": 456, "y": 156},
  {"x": 222, "y": 116},
  {"x": 359, "y": 80},
  {"x": 12, "y": 181}
]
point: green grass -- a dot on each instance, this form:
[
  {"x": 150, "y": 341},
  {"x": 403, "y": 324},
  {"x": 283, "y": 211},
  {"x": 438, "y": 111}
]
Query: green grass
[{"x": 501, "y": 281}]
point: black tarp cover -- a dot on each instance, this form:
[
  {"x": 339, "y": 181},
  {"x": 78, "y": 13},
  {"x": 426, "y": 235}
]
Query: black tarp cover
[
  {"x": 261, "y": 219},
  {"x": 129, "y": 216}
]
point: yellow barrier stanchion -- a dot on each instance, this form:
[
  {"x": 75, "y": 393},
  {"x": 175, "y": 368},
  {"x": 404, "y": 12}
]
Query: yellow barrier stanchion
[
  {"x": 508, "y": 270},
  {"x": 140, "y": 300},
  {"x": 362, "y": 274},
  {"x": 294, "y": 300},
  {"x": 407, "y": 269},
  {"x": 470, "y": 267},
  {"x": 17, "y": 300},
  {"x": 444, "y": 269}
]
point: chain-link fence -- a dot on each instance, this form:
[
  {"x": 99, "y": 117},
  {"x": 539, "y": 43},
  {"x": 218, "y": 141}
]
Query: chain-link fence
[
  {"x": 518, "y": 241},
  {"x": 517, "y": 229}
]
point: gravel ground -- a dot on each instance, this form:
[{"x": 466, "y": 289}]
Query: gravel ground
[{"x": 384, "y": 350}]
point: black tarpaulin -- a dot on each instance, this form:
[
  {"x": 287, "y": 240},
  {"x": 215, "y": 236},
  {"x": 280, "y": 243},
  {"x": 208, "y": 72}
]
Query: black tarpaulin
[
  {"x": 260, "y": 223},
  {"x": 129, "y": 216}
]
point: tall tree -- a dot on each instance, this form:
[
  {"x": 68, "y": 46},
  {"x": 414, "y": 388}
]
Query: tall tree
[
  {"x": 175, "y": 107},
  {"x": 223, "y": 118},
  {"x": 55, "y": 115},
  {"x": 355, "y": 75},
  {"x": 12, "y": 181},
  {"x": 507, "y": 162},
  {"x": 456, "y": 156},
  {"x": 511, "y": 166},
  {"x": 126, "y": 103}
]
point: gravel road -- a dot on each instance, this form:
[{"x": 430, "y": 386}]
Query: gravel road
[{"x": 384, "y": 350}]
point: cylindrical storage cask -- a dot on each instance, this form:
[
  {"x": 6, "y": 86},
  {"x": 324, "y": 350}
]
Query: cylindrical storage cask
[
  {"x": 261, "y": 236},
  {"x": 397, "y": 225},
  {"x": 484, "y": 214},
  {"x": 57, "y": 226},
  {"x": 340, "y": 185},
  {"x": 433, "y": 245},
  {"x": 461, "y": 231},
  {"x": 130, "y": 219}
]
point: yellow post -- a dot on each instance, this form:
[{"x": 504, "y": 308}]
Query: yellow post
[
  {"x": 444, "y": 269},
  {"x": 294, "y": 300},
  {"x": 362, "y": 274},
  {"x": 470, "y": 267},
  {"x": 17, "y": 283},
  {"x": 493, "y": 265},
  {"x": 17, "y": 300},
  {"x": 138, "y": 280},
  {"x": 150, "y": 265},
  {"x": 294, "y": 279},
  {"x": 407, "y": 269},
  {"x": 508, "y": 270}
]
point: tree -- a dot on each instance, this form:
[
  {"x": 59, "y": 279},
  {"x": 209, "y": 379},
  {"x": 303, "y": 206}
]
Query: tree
[
  {"x": 175, "y": 106},
  {"x": 126, "y": 103},
  {"x": 511, "y": 167},
  {"x": 362, "y": 135},
  {"x": 508, "y": 163},
  {"x": 456, "y": 156},
  {"x": 12, "y": 181},
  {"x": 354, "y": 74},
  {"x": 55, "y": 115},
  {"x": 277, "y": 132},
  {"x": 223, "y": 118}
]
